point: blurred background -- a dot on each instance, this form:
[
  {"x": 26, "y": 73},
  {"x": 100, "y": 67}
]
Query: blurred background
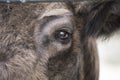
[{"x": 109, "y": 53}]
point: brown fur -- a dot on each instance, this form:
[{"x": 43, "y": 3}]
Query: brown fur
[{"x": 29, "y": 51}]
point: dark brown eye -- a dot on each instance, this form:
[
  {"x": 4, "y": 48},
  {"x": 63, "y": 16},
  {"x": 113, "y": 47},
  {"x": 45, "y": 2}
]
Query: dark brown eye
[{"x": 63, "y": 36}]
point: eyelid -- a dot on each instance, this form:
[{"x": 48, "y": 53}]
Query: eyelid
[{"x": 68, "y": 29}]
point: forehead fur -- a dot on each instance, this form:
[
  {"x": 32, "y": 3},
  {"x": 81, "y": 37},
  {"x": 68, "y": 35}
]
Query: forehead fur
[{"x": 56, "y": 12}]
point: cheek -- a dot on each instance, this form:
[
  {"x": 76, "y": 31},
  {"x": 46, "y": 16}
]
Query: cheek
[{"x": 55, "y": 48}]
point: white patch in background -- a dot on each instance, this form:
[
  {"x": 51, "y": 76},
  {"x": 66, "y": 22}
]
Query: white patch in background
[
  {"x": 23, "y": 1},
  {"x": 109, "y": 53}
]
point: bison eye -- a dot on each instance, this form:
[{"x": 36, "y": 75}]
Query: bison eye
[{"x": 63, "y": 36}]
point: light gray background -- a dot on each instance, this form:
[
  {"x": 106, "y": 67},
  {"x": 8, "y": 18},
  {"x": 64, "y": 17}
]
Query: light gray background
[{"x": 109, "y": 53}]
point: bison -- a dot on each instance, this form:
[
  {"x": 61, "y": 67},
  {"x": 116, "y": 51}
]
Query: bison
[{"x": 54, "y": 41}]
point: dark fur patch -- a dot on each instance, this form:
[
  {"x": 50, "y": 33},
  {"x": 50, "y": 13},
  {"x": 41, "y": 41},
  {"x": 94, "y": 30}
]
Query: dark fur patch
[
  {"x": 46, "y": 41},
  {"x": 63, "y": 66},
  {"x": 101, "y": 21}
]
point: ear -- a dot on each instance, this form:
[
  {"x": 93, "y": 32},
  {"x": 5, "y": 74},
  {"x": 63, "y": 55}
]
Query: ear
[{"x": 102, "y": 19}]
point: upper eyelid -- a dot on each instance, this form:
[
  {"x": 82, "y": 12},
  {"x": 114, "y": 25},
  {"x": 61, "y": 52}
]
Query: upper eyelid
[
  {"x": 61, "y": 23},
  {"x": 68, "y": 29}
]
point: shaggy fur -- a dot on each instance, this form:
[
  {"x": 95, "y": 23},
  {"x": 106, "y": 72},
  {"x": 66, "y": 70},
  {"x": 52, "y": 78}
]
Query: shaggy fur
[{"x": 30, "y": 50}]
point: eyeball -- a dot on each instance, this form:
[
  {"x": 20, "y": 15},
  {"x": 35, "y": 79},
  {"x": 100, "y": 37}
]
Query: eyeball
[{"x": 63, "y": 36}]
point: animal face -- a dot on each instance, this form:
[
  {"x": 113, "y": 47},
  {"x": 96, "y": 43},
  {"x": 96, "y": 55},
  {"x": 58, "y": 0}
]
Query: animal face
[
  {"x": 54, "y": 35},
  {"x": 54, "y": 28},
  {"x": 54, "y": 41}
]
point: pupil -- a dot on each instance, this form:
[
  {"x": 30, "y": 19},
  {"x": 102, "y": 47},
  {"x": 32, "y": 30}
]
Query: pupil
[{"x": 63, "y": 35}]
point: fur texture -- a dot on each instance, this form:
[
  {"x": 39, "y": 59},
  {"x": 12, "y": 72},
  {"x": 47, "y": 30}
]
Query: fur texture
[{"x": 33, "y": 47}]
